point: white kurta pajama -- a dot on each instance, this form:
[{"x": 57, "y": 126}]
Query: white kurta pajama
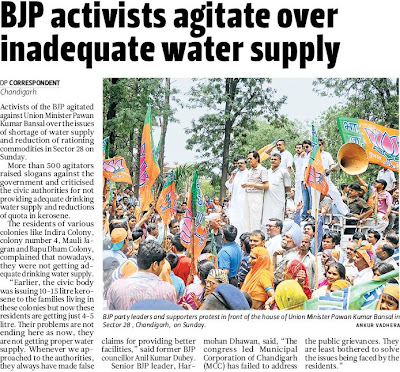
[
  {"x": 253, "y": 204},
  {"x": 274, "y": 197},
  {"x": 236, "y": 204},
  {"x": 298, "y": 162}
]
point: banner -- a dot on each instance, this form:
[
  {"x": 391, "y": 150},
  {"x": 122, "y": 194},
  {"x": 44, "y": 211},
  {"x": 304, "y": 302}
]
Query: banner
[
  {"x": 149, "y": 169},
  {"x": 195, "y": 213},
  {"x": 166, "y": 204},
  {"x": 115, "y": 169},
  {"x": 315, "y": 172},
  {"x": 363, "y": 296},
  {"x": 381, "y": 143}
]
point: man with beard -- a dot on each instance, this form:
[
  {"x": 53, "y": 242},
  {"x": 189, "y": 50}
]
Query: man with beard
[
  {"x": 307, "y": 259},
  {"x": 291, "y": 240}
]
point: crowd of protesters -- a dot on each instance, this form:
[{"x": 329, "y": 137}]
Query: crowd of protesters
[{"x": 269, "y": 246}]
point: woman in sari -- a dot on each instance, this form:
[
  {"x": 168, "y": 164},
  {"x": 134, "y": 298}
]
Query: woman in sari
[
  {"x": 326, "y": 260},
  {"x": 194, "y": 292},
  {"x": 336, "y": 271},
  {"x": 290, "y": 295},
  {"x": 297, "y": 271},
  {"x": 258, "y": 282},
  {"x": 214, "y": 278}
]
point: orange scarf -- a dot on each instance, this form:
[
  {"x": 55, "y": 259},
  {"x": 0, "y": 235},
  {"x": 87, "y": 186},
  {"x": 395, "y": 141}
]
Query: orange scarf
[{"x": 252, "y": 284}]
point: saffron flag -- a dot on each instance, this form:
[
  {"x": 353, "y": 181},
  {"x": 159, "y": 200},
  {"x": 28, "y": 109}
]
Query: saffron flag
[
  {"x": 195, "y": 214},
  {"x": 115, "y": 169},
  {"x": 363, "y": 296},
  {"x": 315, "y": 172},
  {"x": 262, "y": 151},
  {"x": 381, "y": 143},
  {"x": 166, "y": 204},
  {"x": 149, "y": 169}
]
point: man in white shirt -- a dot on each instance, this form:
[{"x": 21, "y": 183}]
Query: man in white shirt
[
  {"x": 274, "y": 230},
  {"x": 388, "y": 176},
  {"x": 298, "y": 161},
  {"x": 256, "y": 183},
  {"x": 286, "y": 156},
  {"x": 333, "y": 192},
  {"x": 238, "y": 194},
  {"x": 363, "y": 262},
  {"x": 385, "y": 253},
  {"x": 274, "y": 196}
]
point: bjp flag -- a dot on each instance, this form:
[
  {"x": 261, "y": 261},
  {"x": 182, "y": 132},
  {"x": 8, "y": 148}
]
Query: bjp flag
[
  {"x": 315, "y": 172},
  {"x": 166, "y": 204},
  {"x": 195, "y": 214},
  {"x": 262, "y": 151},
  {"x": 381, "y": 143},
  {"x": 149, "y": 169},
  {"x": 115, "y": 169}
]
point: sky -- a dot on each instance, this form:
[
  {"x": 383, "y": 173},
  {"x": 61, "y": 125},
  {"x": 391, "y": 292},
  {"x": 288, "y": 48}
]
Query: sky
[{"x": 302, "y": 105}]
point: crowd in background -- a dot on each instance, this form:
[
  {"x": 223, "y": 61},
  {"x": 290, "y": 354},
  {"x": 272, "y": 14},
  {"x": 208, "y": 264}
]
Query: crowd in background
[{"x": 270, "y": 246}]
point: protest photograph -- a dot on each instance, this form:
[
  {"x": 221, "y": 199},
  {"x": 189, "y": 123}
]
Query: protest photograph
[{"x": 260, "y": 210}]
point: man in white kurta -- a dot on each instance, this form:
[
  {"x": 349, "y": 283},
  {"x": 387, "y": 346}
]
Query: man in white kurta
[
  {"x": 298, "y": 161},
  {"x": 238, "y": 194},
  {"x": 333, "y": 192},
  {"x": 286, "y": 156},
  {"x": 257, "y": 182},
  {"x": 274, "y": 196}
]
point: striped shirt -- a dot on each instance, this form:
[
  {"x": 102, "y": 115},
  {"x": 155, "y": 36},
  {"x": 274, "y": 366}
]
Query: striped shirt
[
  {"x": 257, "y": 175},
  {"x": 142, "y": 285}
]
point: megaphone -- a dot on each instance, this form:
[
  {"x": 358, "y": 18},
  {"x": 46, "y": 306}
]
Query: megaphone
[{"x": 353, "y": 159}]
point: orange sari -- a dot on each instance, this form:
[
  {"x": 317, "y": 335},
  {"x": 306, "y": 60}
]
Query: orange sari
[{"x": 260, "y": 276}]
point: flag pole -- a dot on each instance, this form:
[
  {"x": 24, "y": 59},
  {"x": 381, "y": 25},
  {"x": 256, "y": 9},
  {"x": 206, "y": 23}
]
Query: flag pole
[
  {"x": 316, "y": 233},
  {"x": 165, "y": 236},
  {"x": 192, "y": 235}
]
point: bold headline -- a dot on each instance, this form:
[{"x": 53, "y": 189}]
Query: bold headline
[{"x": 198, "y": 21}]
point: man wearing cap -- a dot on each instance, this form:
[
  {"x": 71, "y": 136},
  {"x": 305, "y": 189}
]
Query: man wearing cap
[
  {"x": 143, "y": 284},
  {"x": 383, "y": 205},
  {"x": 119, "y": 243},
  {"x": 364, "y": 262},
  {"x": 291, "y": 240}
]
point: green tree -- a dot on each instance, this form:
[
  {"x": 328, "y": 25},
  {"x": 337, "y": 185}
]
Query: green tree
[
  {"x": 370, "y": 99},
  {"x": 375, "y": 100},
  {"x": 124, "y": 106},
  {"x": 233, "y": 104}
]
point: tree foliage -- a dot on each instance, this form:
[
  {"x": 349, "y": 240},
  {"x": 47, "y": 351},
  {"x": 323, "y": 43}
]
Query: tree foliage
[
  {"x": 124, "y": 105},
  {"x": 369, "y": 99},
  {"x": 375, "y": 100},
  {"x": 232, "y": 105}
]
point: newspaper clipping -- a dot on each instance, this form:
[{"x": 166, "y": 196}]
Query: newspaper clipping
[{"x": 199, "y": 185}]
